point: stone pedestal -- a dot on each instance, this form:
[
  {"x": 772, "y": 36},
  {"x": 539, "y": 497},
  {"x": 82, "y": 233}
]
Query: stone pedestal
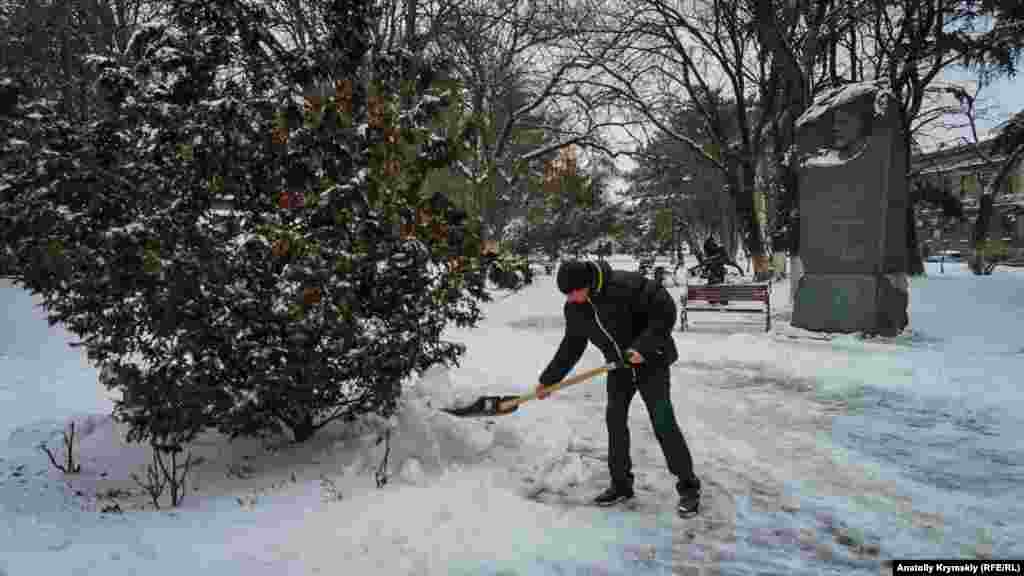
[
  {"x": 852, "y": 303},
  {"x": 853, "y": 201}
]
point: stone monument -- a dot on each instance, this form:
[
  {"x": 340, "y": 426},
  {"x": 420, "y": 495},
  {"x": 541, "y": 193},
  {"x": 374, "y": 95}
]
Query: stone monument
[{"x": 853, "y": 202}]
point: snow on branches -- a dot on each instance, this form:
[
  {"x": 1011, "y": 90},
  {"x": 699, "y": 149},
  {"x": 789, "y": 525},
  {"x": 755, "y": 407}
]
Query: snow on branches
[{"x": 238, "y": 256}]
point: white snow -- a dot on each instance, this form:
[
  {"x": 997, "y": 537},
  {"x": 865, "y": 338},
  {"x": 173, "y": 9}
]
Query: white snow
[
  {"x": 838, "y": 97},
  {"x": 128, "y": 229},
  {"x": 827, "y": 157},
  {"x": 98, "y": 60},
  {"x": 760, "y": 411}
]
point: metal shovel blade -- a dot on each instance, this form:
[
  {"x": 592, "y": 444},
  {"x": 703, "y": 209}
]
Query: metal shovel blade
[
  {"x": 486, "y": 406},
  {"x": 499, "y": 405}
]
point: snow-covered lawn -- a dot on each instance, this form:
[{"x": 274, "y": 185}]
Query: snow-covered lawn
[{"x": 498, "y": 496}]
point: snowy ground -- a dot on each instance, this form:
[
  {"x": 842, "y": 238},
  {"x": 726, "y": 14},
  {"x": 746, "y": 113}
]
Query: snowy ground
[{"x": 780, "y": 425}]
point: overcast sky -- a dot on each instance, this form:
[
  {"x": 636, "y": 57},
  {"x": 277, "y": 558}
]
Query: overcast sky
[{"x": 1006, "y": 94}]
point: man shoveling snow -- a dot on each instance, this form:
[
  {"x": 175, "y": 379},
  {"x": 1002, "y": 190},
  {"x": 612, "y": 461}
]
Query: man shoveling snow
[{"x": 629, "y": 318}]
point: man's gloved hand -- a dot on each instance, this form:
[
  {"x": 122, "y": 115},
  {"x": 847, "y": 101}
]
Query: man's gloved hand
[
  {"x": 634, "y": 357},
  {"x": 541, "y": 394}
]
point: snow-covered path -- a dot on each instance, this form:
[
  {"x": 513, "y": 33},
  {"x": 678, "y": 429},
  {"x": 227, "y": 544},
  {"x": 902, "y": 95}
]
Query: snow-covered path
[{"x": 777, "y": 423}]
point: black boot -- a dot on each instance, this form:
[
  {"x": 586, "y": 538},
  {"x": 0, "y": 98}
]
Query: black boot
[
  {"x": 613, "y": 495},
  {"x": 689, "y": 503}
]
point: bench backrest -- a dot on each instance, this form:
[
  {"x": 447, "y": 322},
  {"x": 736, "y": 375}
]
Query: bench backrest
[{"x": 755, "y": 292}]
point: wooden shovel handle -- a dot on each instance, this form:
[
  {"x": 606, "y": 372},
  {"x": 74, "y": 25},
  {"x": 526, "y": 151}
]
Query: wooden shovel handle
[{"x": 582, "y": 376}]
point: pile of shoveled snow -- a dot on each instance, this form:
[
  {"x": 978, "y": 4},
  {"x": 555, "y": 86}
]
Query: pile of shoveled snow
[
  {"x": 420, "y": 443},
  {"x": 459, "y": 474}
]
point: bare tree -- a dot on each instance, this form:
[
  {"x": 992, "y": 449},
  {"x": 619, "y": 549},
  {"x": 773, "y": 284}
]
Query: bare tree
[
  {"x": 798, "y": 40},
  {"x": 997, "y": 53},
  {"x": 523, "y": 71},
  {"x": 669, "y": 178},
  {"x": 517, "y": 64},
  {"x": 703, "y": 54},
  {"x": 1006, "y": 153}
]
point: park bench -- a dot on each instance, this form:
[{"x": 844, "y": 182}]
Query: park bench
[{"x": 729, "y": 293}]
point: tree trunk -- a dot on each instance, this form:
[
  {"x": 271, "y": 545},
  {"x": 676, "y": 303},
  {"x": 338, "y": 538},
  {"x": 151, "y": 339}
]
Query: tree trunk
[
  {"x": 303, "y": 430},
  {"x": 414, "y": 48},
  {"x": 985, "y": 212},
  {"x": 981, "y": 224},
  {"x": 796, "y": 270},
  {"x": 794, "y": 76},
  {"x": 915, "y": 264},
  {"x": 742, "y": 181}
]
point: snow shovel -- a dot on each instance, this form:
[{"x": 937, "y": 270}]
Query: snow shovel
[{"x": 501, "y": 405}]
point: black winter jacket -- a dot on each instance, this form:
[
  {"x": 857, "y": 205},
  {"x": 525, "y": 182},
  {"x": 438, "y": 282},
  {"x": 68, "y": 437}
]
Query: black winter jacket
[{"x": 628, "y": 311}]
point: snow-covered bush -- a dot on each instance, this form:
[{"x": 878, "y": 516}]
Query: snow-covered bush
[
  {"x": 509, "y": 271},
  {"x": 301, "y": 302}
]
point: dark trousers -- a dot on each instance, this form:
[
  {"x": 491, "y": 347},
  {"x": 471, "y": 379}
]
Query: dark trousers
[{"x": 653, "y": 385}]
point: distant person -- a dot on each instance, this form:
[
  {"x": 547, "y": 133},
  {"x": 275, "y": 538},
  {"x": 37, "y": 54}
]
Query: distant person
[
  {"x": 712, "y": 265},
  {"x": 629, "y": 318},
  {"x": 680, "y": 261},
  {"x": 714, "y": 261}
]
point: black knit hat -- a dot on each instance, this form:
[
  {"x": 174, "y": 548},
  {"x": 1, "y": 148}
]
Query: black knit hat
[{"x": 574, "y": 274}]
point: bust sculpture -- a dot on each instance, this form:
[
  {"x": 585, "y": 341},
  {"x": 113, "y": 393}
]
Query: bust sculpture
[{"x": 852, "y": 183}]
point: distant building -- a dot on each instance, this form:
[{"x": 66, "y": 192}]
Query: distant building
[{"x": 964, "y": 171}]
